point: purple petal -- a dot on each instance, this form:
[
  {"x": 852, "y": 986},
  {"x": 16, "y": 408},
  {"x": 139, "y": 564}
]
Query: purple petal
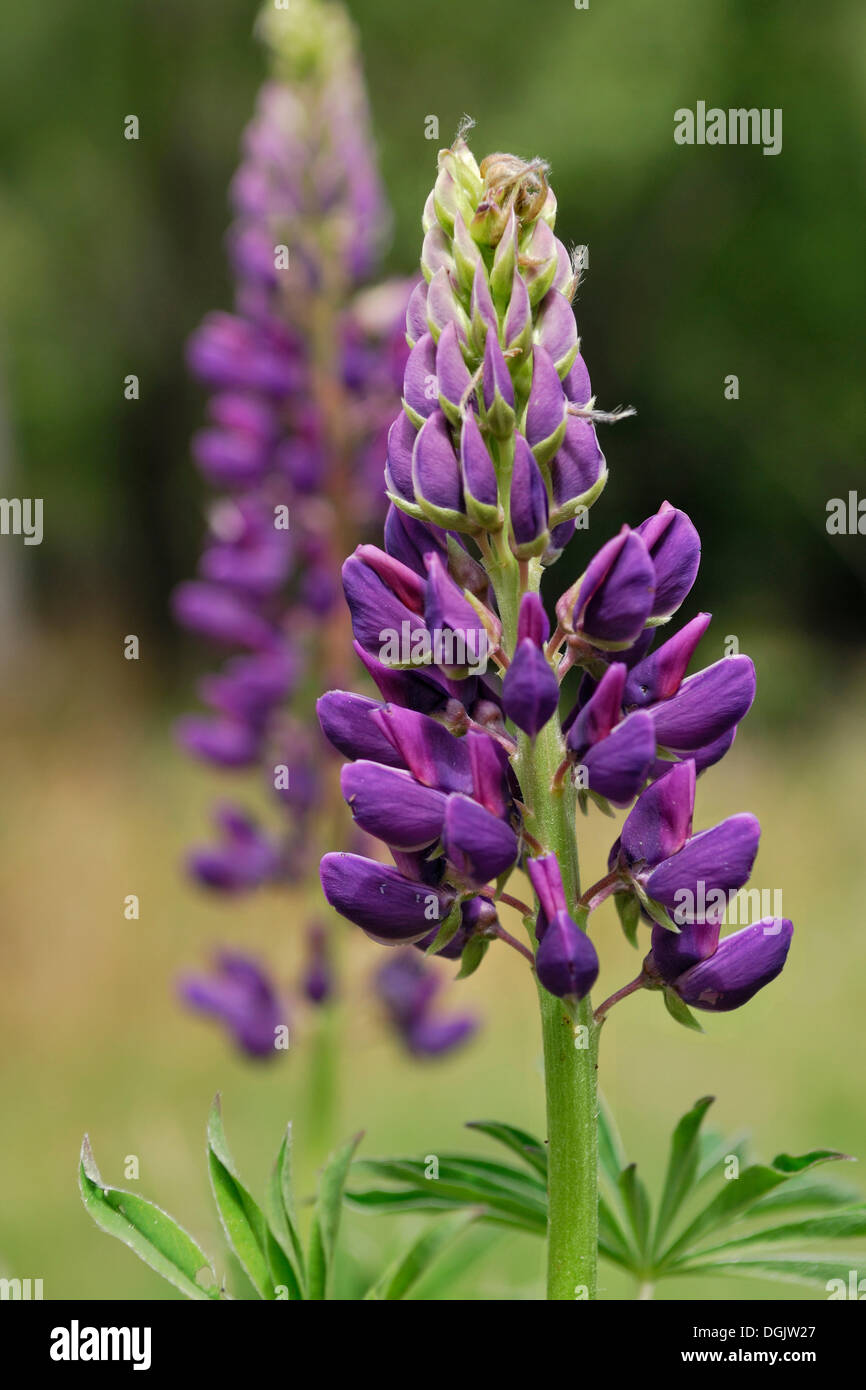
[
  {"x": 478, "y": 845},
  {"x": 380, "y": 900},
  {"x": 616, "y": 594},
  {"x": 660, "y": 675},
  {"x": 566, "y": 962},
  {"x": 617, "y": 767},
  {"x": 675, "y": 548},
  {"x": 706, "y": 705},
  {"x": 530, "y": 690},
  {"x": 743, "y": 964},
  {"x": 661, "y": 821},
  {"x": 694, "y": 883}
]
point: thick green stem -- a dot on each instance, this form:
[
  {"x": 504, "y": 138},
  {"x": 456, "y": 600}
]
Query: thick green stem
[{"x": 570, "y": 1044}]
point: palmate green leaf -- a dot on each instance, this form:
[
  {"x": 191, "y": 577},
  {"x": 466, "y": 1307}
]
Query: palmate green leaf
[
  {"x": 682, "y": 1169},
  {"x": 326, "y": 1219},
  {"x": 795, "y": 1196},
  {"x": 151, "y": 1233},
  {"x": 242, "y": 1221},
  {"x": 612, "y": 1240},
  {"x": 738, "y": 1194},
  {"x": 281, "y": 1216},
  {"x": 611, "y": 1154},
  {"x": 798, "y": 1269},
  {"x": 408, "y": 1268},
  {"x": 847, "y": 1223},
  {"x": 526, "y": 1146},
  {"x": 378, "y": 1199},
  {"x": 467, "y": 1184},
  {"x": 636, "y": 1203},
  {"x": 716, "y": 1149}
]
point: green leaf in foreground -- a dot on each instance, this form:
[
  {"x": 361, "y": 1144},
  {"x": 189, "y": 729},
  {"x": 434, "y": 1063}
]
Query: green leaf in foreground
[
  {"x": 326, "y": 1220},
  {"x": 150, "y": 1232},
  {"x": 408, "y": 1268},
  {"x": 242, "y": 1221}
]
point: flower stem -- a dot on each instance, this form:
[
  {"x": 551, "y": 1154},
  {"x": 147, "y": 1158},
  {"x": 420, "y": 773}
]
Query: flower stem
[{"x": 570, "y": 1042}]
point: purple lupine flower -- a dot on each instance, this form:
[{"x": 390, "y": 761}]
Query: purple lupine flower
[
  {"x": 243, "y": 858},
  {"x": 491, "y": 463},
  {"x": 530, "y": 690},
  {"x": 408, "y": 989},
  {"x": 566, "y": 961},
  {"x": 309, "y": 225},
  {"x": 715, "y": 975},
  {"x": 689, "y": 875},
  {"x": 241, "y": 996}
]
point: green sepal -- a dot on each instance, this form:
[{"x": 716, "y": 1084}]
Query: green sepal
[
  {"x": 680, "y": 1011},
  {"x": 473, "y": 954},
  {"x": 448, "y": 929},
  {"x": 628, "y": 910}
]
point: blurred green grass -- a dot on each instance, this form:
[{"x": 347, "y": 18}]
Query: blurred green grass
[{"x": 96, "y": 804}]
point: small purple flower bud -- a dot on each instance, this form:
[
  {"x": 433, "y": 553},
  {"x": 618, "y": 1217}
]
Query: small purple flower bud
[
  {"x": 420, "y": 389},
  {"x": 530, "y": 690},
  {"x": 416, "y": 315},
  {"x": 480, "y": 488},
  {"x": 398, "y": 466},
  {"x": 660, "y": 675},
  {"x": 385, "y": 904},
  {"x": 391, "y": 805},
  {"x": 615, "y": 596},
  {"x": 576, "y": 384},
  {"x": 556, "y": 330},
  {"x": 241, "y": 996},
  {"x": 578, "y": 471},
  {"x": 452, "y": 375},
  {"x": 318, "y": 978},
  {"x": 529, "y": 503},
  {"x": 566, "y": 962},
  {"x": 248, "y": 687},
  {"x": 497, "y": 389},
  {"x": 706, "y": 705},
  {"x": 483, "y": 313},
  {"x": 220, "y": 615},
  {"x": 546, "y": 879},
  {"x": 436, "y": 477},
  {"x": 244, "y": 859},
  {"x": 477, "y": 844},
  {"x": 443, "y": 305},
  {"x": 225, "y": 741},
  {"x": 675, "y": 550},
  {"x": 407, "y": 986},
  {"x": 743, "y": 964},
  {"x": 228, "y": 458},
  {"x": 424, "y": 690},
  {"x": 545, "y": 413},
  {"x": 517, "y": 330}
]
